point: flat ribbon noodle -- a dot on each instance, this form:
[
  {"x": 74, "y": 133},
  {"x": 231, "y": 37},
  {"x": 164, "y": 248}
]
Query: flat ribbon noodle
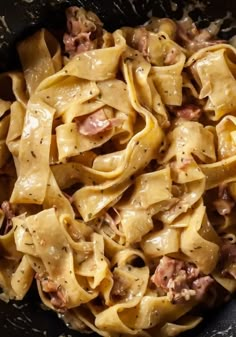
[
  {"x": 135, "y": 213},
  {"x": 188, "y": 139},
  {"x": 40, "y": 57},
  {"x": 168, "y": 78},
  {"x": 211, "y": 68},
  {"x": 195, "y": 246},
  {"x": 175, "y": 207},
  {"x": 12, "y": 88},
  {"x": 96, "y": 266},
  {"x": 184, "y": 324},
  {"x": 110, "y": 319},
  {"x": 222, "y": 171},
  {"x": 138, "y": 147},
  {"x": 4, "y": 152},
  {"x": 22, "y": 278},
  {"x": 162, "y": 242},
  {"x": 55, "y": 198},
  {"x": 15, "y": 128},
  {"x": 226, "y": 135},
  {"x": 58, "y": 258},
  {"x": 92, "y": 65},
  {"x": 34, "y": 154}
]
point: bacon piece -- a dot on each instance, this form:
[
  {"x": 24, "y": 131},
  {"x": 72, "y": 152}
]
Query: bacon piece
[
  {"x": 79, "y": 21},
  {"x": 194, "y": 39},
  {"x": 140, "y": 40},
  {"x": 77, "y": 44},
  {"x": 55, "y": 292},
  {"x": 171, "y": 57},
  {"x": 180, "y": 280},
  {"x": 165, "y": 270},
  {"x": 9, "y": 214},
  {"x": 190, "y": 112},
  {"x": 84, "y": 31},
  {"x": 58, "y": 299},
  {"x": 201, "y": 286},
  {"x": 95, "y": 123},
  {"x": 48, "y": 285},
  {"x": 185, "y": 164}
]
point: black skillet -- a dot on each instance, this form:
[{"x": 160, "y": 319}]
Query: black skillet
[{"x": 19, "y": 18}]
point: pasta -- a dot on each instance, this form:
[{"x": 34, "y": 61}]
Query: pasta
[{"x": 117, "y": 173}]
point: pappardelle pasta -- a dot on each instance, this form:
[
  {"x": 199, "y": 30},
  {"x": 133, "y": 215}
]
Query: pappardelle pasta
[{"x": 118, "y": 175}]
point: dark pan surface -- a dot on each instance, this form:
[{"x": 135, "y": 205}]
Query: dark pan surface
[
  {"x": 28, "y": 319},
  {"x": 19, "y": 18}
]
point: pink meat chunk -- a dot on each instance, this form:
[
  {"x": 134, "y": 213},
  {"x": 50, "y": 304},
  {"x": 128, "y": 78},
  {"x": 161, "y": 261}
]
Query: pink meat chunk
[{"x": 180, "y": 280}]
